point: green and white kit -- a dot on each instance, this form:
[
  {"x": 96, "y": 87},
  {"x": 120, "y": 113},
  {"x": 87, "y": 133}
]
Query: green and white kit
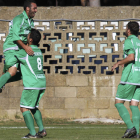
[
  {"x": 19, "y": 29},
  {"x": 130, "y": 80},
  {"x": 34, "y": 80}
]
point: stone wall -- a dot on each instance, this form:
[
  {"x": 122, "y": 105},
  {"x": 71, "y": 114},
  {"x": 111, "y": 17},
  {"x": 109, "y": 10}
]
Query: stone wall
[{"x": 80, "y": 46}]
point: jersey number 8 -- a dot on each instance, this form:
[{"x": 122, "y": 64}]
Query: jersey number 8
[{"x": 39, "y": 63}]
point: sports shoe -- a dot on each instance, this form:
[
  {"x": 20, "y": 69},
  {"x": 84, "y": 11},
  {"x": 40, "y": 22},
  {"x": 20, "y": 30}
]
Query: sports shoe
[
  {"x": 31, "y": 136},
  {"x": 42, "y": 133},
  {"x": 130, "y": 133},
  {"x": 136, "y": 136}
]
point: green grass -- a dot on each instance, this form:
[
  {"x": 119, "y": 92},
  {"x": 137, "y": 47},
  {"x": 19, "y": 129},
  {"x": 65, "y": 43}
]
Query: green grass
[{"x": 64, "y": 130}]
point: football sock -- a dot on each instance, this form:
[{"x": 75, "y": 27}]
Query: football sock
[
  {"x": 4, "y": 78},
  {"x": 135, "y": 117},
  {"x": 16, "y": 77},
  {"x": 123, "y": 112},
  {"x": 29, "y": 122},
  {"x": 38, "y": 118}
]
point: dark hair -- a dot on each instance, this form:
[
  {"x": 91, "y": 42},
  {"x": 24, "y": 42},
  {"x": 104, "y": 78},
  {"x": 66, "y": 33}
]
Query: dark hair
[
  {"x": 134, "y": 27},
  {"x": 36, "y": 36},
  {"x": 27, "y": 3}
]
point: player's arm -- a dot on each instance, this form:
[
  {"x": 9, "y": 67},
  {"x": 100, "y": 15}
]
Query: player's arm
[
  {"x": 128, "y": 59},
  {"x": 27, "y": 48},
  {"x": 16, "y": 31}
]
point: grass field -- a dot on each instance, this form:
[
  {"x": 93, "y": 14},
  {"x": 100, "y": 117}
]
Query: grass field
[{"x": 64, "y": 130}]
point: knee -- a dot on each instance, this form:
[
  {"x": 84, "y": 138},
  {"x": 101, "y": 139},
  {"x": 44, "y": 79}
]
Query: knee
[{"x": 12, "y": 71}]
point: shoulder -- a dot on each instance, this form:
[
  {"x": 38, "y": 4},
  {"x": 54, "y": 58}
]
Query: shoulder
[{"x": 18, "y": 18}]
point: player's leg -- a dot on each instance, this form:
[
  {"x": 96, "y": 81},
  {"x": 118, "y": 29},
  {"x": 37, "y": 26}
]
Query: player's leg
[
  {"x": 6, "y": 76},
  {"x": 37, "y": 114},
  {"x": 29, "y": 121},
  {"x": 25, "y": 106},
  {"x": 135, "y": 110},
  {"x": 123, "y": 94},
  {"x": 10, "y": 67}
]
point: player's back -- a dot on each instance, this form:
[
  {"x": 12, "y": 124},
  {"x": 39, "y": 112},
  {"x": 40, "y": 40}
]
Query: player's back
[{"x": 32, "y": 69}]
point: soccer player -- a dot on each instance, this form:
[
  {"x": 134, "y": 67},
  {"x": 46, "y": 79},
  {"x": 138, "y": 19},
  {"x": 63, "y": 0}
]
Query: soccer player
[
  {"x": 129, "y": 87},
  {"x": 20, "y": 27},
  {"x": 34, "y": 82}
]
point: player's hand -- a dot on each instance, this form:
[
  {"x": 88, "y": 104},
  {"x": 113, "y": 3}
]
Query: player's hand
[
  {"x": 29, "y": 51},
  {"x": 114, "y": 66},
  {"x": 122, "y": 65}
]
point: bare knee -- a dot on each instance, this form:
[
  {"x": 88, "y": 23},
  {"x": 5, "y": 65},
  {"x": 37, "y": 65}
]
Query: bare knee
[
  {"x": 23, "y": 109},
  {"x": 119, "y": 101},
  {"x": 12, "y": 71}
]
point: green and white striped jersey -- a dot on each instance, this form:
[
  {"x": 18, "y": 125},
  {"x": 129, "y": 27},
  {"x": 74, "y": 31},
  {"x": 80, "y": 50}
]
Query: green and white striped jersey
[
  {"x": 19, "y": 28},
  {"x": 31, "y": 68},
  {"x": 131, "y": 71}
]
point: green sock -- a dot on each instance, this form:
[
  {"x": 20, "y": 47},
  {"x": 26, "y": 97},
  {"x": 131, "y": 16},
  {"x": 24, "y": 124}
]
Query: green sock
[
  {"x": 135, "y": 117},
  {"x": 123, "y": 112},
  {"x": 4, "y": 78},
  {"x": 29, "y": 122},
  {"x": 16, "y": 77},
  {"x": 38, "y": 118}
]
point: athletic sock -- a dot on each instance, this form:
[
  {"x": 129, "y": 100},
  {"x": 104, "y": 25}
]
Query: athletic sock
[
  {"x": 29, "y": 122},
  {"x": 4, "y": 78},
  {"x": 123, "y": 112},
  {"x": 38, "y": 118},
  {"x": 16, "y": 77},
  {"x": 135, "y": 117}
]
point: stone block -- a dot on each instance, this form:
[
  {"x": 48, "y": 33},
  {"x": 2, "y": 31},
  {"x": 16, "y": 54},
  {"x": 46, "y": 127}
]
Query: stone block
[
  {"x": 77, "y": 80},
  {"x": 4, "y": 103},
  {"x": 61, "y": 113},
  {"x": 84, "y": 92},
  {"x": 3, "y": 114},
  {"x": 15, "y": 92},
  {"x": 55, "y": 80},
  {"x": 89, "y": 113},
  {"x": 50, "y": 13},
  {"x": 77, "y": 103},
  {"x": 105, "y": 92},
  {"x": 54, "y": 103},
  {"x": 109, "y": 113},
  {"x": 49, "y": 92},
  {"x": 97, "y": 103},
  {"x": 14, "y": 103},
  {"x": 65, "y": 91},
  {"x": 112, "y": 103},
  {"x": 120, "y": 13},
  {"x": 94, "y": 13}
]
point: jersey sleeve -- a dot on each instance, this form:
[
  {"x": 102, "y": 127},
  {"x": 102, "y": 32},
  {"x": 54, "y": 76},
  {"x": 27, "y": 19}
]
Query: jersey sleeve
[
  {"x": 128, "y": 47},
  {"x": 16, "y": 28}
]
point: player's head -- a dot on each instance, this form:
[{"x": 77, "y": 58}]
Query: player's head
[
  {"x": 33, "y": 37},
  {"x": 30, "y": 7},
  {"x": 132, "y": 28}
]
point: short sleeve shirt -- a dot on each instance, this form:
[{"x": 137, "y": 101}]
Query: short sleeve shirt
[
  {"x": 19, "y": 28},
  {"x": 131, "y": 71}
]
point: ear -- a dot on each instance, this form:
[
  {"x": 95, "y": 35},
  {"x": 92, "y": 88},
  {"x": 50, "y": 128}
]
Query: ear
[
  {"x": 31, "y": 40},
  {"x": 27, "y": 8}
]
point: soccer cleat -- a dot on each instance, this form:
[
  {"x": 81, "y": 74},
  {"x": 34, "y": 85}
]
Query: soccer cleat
[
  {"x": 42, "y": 133},
  {"x": 136, "y": 136},
  {"x": 31, "y": 136},
  {"x": 130, "y": 133}
]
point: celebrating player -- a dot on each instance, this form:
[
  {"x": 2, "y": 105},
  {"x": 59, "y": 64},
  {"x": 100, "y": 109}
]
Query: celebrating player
[
  {"x": 34, "y": 82},
  {"x": 20, "y": 27},
  {"x": 129, "y": 87}
]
